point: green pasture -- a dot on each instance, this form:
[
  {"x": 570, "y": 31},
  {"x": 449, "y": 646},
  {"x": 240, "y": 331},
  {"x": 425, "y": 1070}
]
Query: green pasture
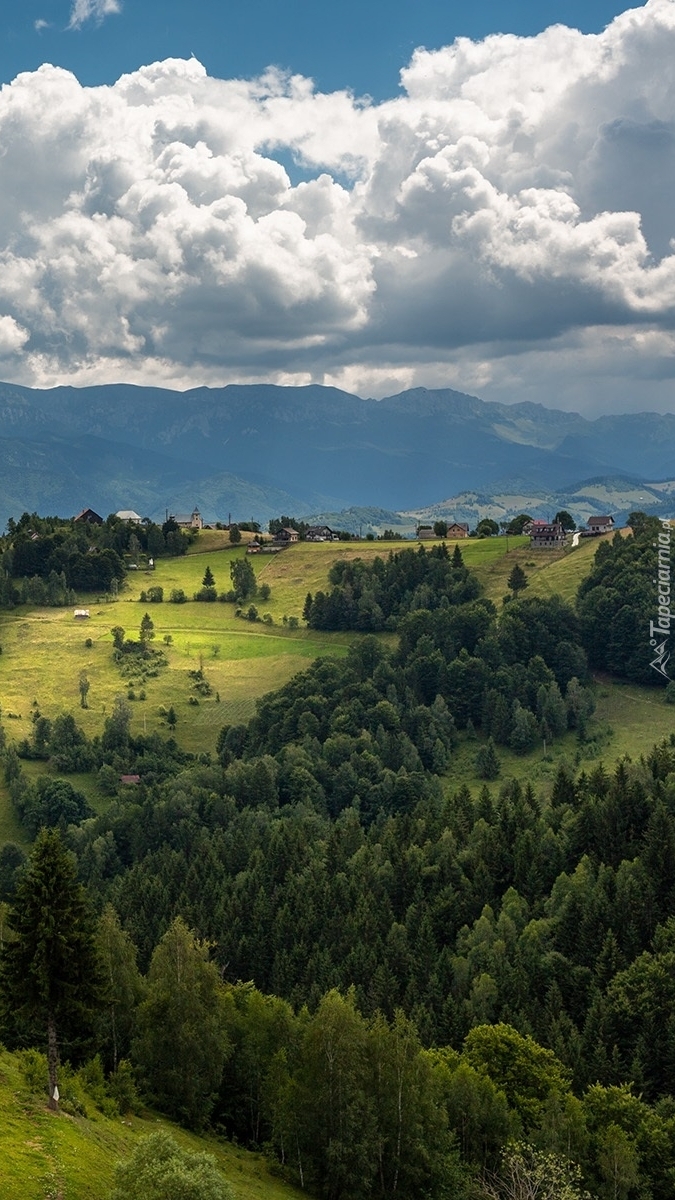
[
  {"x": 548, "y": 571},
  {"x": 47, "y": 1154},
  {"x": 44, "y": 652},
  {"x": 627, "y": 721}
]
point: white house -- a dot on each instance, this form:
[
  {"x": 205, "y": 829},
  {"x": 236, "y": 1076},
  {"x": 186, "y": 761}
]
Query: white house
[{"x": 600, "y": 524}]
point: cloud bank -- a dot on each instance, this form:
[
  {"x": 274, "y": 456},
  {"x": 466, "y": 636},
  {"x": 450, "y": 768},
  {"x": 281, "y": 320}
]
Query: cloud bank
[{"x": 505, "y": 226}]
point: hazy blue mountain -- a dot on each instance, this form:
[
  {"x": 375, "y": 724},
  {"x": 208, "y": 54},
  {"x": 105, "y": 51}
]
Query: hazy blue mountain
[{"x": 259, "y": 449}]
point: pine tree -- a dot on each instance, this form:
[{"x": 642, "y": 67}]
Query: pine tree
[
  {"x": 208, "y": 580},
  {"x": 147, "y": 631},
  {"x": 457, "y": 560},
  {"x": 50, "y": 969},
  {"x": 517, "y": 580},
  {"x": 488, "y": 765}
]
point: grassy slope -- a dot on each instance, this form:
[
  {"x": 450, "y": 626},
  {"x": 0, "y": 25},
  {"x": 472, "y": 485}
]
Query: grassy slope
[
  {"x": 46, "y": 1156},
  {"x": 73, "y": 1158},
  {"x": 44, "y": 652}
]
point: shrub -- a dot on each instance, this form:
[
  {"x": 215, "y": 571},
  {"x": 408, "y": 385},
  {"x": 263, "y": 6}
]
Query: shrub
[
  {"x": 177, "y": 596},
  {"x": 33, "y": 1067},
  {"x": 206, "y": 595},
  {"x": 264, "y": 591},
  {"x": 159, "y": 1170},
  {"x": 155, "y": 595}
]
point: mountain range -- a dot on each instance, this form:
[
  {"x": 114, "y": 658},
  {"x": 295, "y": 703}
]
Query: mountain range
[{"x": 258, "y": 450}]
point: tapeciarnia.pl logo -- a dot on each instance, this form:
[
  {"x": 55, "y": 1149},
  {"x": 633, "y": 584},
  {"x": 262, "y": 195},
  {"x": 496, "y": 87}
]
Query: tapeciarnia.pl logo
[{"x": 660, "y": 629}]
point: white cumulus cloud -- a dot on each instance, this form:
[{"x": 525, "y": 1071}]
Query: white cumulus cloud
[
  {"x": 92, "y": 10},
  {"x": 504, "y": 226}
]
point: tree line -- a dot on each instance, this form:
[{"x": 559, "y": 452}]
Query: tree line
[{"x": 44, "y": 559}]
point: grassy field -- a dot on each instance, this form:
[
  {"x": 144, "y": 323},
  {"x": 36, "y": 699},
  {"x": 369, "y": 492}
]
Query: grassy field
[
  {"x": 44, "y": 651},
  {"x": 47, "y": 1156},
  {"x": 628, "y": 720}
]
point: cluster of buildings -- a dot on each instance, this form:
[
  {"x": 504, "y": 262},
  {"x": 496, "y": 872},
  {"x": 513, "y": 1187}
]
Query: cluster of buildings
[
  {"x": 191, "y": 520},
  {"x": 288, "y": 537},
  {"x": 543, "y": 535},
  {"x": 456, "y": 529}
]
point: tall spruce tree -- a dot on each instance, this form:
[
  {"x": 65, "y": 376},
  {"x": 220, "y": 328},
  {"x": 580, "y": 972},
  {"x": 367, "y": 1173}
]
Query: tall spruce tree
[
  {"x": 50, "y": 971},
  {"x": 517, "y": 580}
]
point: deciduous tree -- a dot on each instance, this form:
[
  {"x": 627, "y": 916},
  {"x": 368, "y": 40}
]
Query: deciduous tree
[
  {"x": 122, "y": 986},
  {"x": 182, "y": 1044}
]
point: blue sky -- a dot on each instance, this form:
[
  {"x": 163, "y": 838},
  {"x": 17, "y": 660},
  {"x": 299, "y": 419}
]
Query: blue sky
[
  {"x": 360, "y": 44},
  {"x": 492, "y": 212}
]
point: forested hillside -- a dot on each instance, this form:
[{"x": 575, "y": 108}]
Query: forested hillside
[{"x": 318, "y": 942}]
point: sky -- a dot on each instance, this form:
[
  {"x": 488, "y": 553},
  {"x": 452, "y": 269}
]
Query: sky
[{"x": 373, "y": 196}]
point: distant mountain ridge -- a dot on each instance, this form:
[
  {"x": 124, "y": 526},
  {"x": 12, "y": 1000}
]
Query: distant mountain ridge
[{"x": 255, "y": 450}]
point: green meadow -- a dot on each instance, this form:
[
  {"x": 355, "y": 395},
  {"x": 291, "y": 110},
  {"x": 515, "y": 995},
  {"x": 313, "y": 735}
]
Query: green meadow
[
  {"x": 55, "y": 1156},
  {"x": 44, "y": 652}
]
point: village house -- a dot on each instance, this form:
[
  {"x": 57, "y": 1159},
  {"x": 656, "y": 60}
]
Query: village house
[
  {"x": 286, "y": 537},
  {"x": 424, "y": 532},
  {"x": 128, "y": 514},
  {"x": 598, "y": 525},
  {"x": 458, "y": 529},
  {"x": 531, "y": 526},
  {"x": 547, "y": 537},
  {"x": 88, "y": 517},
  {"x": 320, "y": 533}
]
